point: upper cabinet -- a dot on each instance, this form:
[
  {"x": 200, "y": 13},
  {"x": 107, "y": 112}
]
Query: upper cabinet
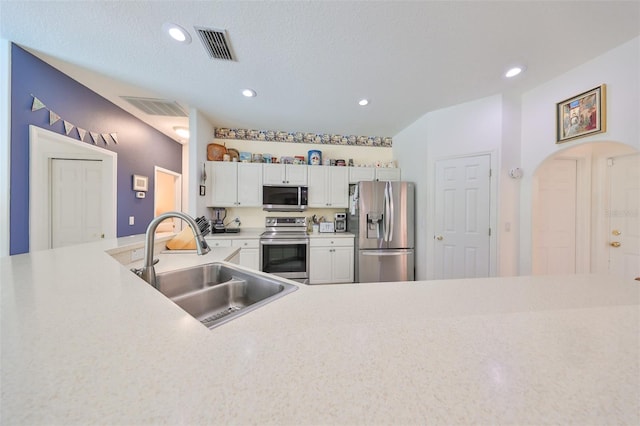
[
  {"x": 388, "y": 174},
  {"x": 284, "y": 174},
  {"x": 328, "y": 187},
  {"x": 234, "y": 184},
  {"x": 357, "y": 174}
]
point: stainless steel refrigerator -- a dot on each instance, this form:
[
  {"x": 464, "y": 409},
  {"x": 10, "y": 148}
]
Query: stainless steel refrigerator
[{"x": 382, "y": 218}]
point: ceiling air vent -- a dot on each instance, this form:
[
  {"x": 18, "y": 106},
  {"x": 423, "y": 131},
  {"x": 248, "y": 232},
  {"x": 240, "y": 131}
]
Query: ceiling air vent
[
  {"x": 215, "y": 42},
  {"x": 156, "y": 106}
]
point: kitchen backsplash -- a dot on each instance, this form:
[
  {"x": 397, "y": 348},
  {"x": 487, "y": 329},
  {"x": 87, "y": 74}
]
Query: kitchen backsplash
[{"x": 254, "y": 217}]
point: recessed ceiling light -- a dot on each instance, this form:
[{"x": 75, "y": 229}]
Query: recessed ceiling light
[
  {"x": 514, "y": 71},
  {"x": 363, "y": 102},
  {"x": 249, "y": 93},
  {"x": 183, "y": 132},
  {"x": 176, "y": 32}
]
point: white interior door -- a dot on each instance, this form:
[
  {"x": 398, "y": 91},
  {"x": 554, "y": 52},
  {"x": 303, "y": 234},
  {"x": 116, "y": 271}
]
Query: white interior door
[
  {"x": 554, "y": 218},
  {"x": 76, "y": 201},
  {"x": 462, "y": 217},
  {"x": 624, "y": 216}
]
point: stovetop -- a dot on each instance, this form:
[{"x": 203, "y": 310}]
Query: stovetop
[{"x": 285, "y": 227}]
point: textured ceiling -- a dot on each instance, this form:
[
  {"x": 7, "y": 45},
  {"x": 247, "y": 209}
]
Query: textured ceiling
[{"x": 310, "y": 62}]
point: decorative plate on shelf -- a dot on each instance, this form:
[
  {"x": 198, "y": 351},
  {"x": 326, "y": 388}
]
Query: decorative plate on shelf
[{"x": 233, "y": 153}]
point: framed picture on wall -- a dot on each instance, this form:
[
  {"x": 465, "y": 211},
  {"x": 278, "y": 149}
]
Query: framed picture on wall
[
  {"x": 582, "y": 115},
  {"x": 140, "y": 183}
]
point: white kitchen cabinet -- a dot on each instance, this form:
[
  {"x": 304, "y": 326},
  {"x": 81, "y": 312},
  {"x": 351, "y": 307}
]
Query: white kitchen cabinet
[
  {"x": 331, "y": 260},
  {"x": 249, "y": 252},
  {"x": 357, "y": 174},
  {"x": 234, "y": 184},
  {"x": 284, "y": 174},
  {"x": 328, "y": 187},
  {"x": 217, "y": 242},
  {"x": 388, "y": 174}
]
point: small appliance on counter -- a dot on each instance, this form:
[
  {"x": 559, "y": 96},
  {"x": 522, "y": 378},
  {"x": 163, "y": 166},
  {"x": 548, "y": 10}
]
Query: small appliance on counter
[
  {"x": 327, "y": 227},
  {"x": 340, "y": 222},
  {"x": 217, "y": 223}
]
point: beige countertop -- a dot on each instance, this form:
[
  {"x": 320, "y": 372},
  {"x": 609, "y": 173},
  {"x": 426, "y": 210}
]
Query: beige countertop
[{"x": 85, "y": 341}]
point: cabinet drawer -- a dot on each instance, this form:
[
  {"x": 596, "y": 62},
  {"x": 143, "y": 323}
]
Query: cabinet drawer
[
  {"x": 253, "y": 243},
  {"x": 214, "y": 242},
  {"x": 331, "y": 242}
]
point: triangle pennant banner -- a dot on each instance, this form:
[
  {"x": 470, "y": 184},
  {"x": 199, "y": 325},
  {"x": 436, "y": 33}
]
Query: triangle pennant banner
[
  {"x": 94, "y": 137},
  {"x": 68, "y": 127},
  {"x": 37, "y": 104},
  {"x": 53, "y": 117}
]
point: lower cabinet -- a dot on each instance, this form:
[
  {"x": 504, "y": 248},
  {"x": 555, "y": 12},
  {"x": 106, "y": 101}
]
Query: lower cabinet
[
  {"x": 249, "y": 252},
  {"x": 217, "y": 242},
  {"x": 331, "y": 260},
  {"x": 248, "y": 255}
]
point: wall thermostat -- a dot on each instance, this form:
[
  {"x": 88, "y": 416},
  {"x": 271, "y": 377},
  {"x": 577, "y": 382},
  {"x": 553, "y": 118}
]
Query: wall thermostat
[{"x": 140, "y": 194}]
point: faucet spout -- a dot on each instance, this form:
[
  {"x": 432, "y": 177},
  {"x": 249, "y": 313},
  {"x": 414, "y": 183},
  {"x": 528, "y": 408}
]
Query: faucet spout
[{"x": 148, "y": 272}]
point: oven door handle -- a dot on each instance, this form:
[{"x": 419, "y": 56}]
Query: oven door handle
[{"x": 280, "y": 242}]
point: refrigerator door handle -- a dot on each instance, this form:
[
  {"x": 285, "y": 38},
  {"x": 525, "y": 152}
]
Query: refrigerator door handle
[
  {"x": 386, "y": 211},
  {"x": 384, "y": 216},
  {"x": 392, "y": 210},
  {"x": 383, "y": 252}
]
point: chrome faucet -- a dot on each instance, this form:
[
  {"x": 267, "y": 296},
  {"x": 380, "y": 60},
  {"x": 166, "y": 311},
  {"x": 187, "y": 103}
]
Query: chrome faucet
[{"x": 148, "y": 271}]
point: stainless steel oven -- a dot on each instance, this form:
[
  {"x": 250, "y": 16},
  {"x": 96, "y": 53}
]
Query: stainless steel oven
[{"x": 284, "y": 248}]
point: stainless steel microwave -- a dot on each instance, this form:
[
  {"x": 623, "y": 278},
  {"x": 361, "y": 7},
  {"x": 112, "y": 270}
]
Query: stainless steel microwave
[{"x": 284, "y": 198}]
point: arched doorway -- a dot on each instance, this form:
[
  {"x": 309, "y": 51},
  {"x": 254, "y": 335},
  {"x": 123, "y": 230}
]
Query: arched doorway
[{"x": 571, "y": 217}]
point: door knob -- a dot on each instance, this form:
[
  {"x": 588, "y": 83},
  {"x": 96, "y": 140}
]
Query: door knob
[
  {"x": 614, "y": 244},
  {"x": 439, "y": 238},
  {"x": 616, "y": 232}
]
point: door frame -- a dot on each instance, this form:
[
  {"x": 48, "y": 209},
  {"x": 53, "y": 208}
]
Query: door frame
[
  {"x": 493, "y": 209},
  {"x": 177, "y": 191},
  {"x": 45, "y": 145}
]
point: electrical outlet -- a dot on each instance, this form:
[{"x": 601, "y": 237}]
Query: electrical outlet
[
  {"x": 137, "y": 254},
  {"x": 132, "y": 220}
]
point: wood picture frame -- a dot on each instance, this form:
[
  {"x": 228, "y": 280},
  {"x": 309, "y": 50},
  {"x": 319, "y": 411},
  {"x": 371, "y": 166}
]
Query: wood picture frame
[{"x": 581, "y": 115}]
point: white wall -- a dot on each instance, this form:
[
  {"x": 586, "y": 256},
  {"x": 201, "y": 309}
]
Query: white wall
[
  {"x": 519, "y": 132},
  {"x": 201, "y": 131},
  {"x": 508, "y": 197},
  {"x": 619, "y": 70},
  {"x": 5, "y": 150},
  {"x": 470, "y": 128}
]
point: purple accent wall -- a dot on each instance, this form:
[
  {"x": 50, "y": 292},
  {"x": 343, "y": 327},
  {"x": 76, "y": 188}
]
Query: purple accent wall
[{"x": 140, "y": 146}]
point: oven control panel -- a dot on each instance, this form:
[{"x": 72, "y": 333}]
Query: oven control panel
[{"x": 284, "y": 222}]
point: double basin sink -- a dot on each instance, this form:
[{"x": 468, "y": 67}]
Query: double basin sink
[{"x": 215, "y": 293}]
